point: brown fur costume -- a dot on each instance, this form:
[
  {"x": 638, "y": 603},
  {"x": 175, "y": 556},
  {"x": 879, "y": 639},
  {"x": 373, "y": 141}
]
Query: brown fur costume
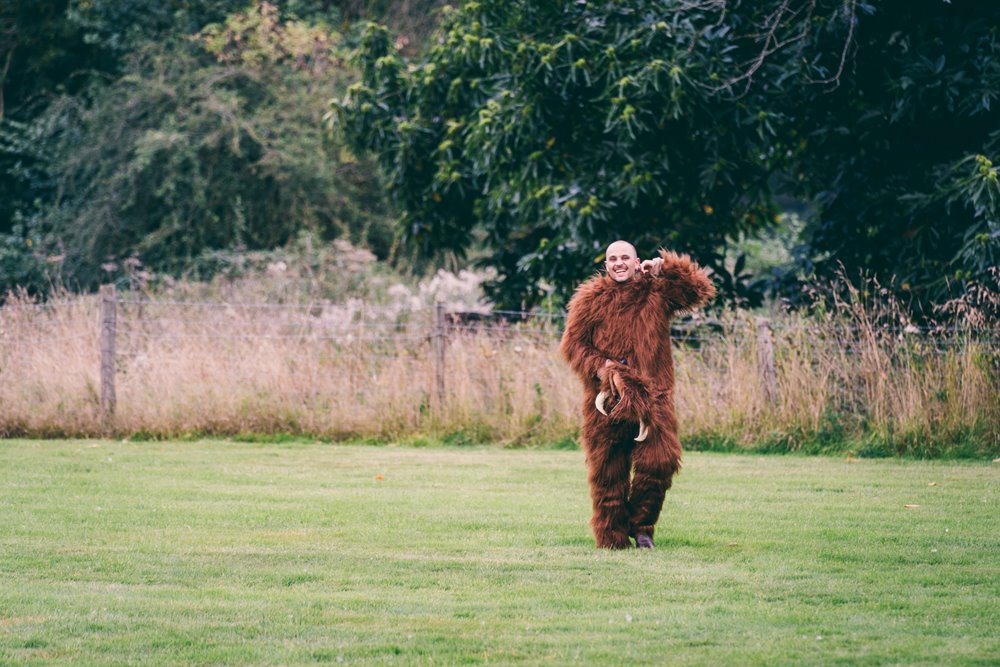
[{"x": 629, "y": 323}]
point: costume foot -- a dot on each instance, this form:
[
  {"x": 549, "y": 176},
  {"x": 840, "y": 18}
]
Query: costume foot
[
  {"x": 644, "y": 542},
  {"x": 615, "y": 544}
]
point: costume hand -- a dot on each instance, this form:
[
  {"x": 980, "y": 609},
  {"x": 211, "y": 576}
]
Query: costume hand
[
  {"x": 628, "y": 390},
  {"x": 652, "y": 266}
]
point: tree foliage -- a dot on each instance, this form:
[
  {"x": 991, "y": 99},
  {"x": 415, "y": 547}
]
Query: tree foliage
[
  {"x": 543, "y": 130},
  {"x": 900, "y": 156},
  {"x": 524, "y": 133},
  {"x": 206, "y": 142},
  {"x": 51, "y": 50}
]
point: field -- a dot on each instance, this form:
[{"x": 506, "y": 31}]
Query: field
[{"x": 219, "y": 552}]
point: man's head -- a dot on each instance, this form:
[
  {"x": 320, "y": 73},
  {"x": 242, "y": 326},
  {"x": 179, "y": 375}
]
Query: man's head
[{"x": 621, "y": 261}]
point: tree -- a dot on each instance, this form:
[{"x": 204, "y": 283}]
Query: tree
[
  {"x": 899, "y": 158},
  {"x": 544, "y": 130},
  {"x": 110, "y": 107},
  {"x": 51, "y": 50},
  {"x": 209, "y": 143},
  {"x": 40, "y": 48}
]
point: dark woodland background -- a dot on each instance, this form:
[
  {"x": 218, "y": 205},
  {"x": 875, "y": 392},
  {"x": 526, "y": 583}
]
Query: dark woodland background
[{"x": 778, "y": 142}]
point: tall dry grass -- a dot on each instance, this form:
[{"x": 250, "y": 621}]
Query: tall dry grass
[
  {"x": 847, "y": 378},
  {"x": 841, "y": 386}
]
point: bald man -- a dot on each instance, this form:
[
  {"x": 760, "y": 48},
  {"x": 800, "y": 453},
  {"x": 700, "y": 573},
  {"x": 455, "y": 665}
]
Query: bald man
[{"x": 617, "y": 340}]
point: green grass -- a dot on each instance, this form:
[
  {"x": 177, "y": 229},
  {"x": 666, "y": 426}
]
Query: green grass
[{"x": 289, "y": 553}]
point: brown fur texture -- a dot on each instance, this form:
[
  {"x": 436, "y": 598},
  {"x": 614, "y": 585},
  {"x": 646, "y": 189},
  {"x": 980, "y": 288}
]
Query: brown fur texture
[{"x": 629, "y": 323}]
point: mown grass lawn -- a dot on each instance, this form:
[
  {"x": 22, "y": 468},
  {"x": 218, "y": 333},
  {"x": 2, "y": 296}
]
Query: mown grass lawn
[{"x": 234, "y": 553}]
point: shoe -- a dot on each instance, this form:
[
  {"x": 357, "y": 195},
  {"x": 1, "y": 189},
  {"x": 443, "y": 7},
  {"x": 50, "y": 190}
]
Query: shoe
[{"x": 643, "y": 542}]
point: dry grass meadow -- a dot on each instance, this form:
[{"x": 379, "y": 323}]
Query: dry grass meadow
[{"x": 353, "y": 371}]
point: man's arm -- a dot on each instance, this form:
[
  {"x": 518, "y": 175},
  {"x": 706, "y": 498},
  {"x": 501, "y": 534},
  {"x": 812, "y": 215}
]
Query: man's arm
[
  {"x": 577, "y": 340},
  {"x": 679, "y": 281}
]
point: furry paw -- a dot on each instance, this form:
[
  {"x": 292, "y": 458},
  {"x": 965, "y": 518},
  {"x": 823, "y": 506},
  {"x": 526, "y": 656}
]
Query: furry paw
[{"x": 625, "y": 396}]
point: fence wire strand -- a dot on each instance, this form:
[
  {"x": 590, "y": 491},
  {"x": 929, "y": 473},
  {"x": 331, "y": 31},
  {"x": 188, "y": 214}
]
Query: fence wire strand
[{"x": 325, "y": 322}]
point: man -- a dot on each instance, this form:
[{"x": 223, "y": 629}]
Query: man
[{"x": 617, "y": 340}]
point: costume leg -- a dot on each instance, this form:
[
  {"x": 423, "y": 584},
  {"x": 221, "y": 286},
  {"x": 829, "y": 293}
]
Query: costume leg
[
  {"x": 608, "y": 473},
  {"x": 655, "y": 461}
]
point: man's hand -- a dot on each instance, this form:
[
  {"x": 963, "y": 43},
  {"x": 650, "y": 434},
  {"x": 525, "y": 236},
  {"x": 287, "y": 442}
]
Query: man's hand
[{"x": 652, "y": 266}]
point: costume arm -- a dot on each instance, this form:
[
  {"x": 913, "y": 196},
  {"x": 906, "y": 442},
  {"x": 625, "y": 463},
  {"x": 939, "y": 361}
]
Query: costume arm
[
  {"x": 577, "y": 341},
  {"x": 681, "y": 283}
]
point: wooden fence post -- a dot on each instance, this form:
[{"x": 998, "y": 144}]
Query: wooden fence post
[
  {"x": 765, "y": 360},
  {"x": 439, "y": 354},
  {"x": 108, "y": 326}
]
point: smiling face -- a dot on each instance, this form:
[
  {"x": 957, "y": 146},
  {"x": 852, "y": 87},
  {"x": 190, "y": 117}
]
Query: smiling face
[{"x": 621, "y": 261}]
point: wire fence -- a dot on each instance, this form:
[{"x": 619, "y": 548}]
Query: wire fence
[{"x": 360, "y": 321}]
